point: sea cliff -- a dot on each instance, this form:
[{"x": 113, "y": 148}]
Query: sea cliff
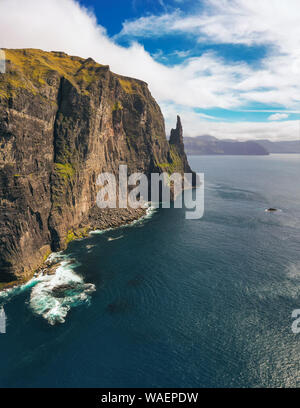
[{"x": 64, "y": 120}]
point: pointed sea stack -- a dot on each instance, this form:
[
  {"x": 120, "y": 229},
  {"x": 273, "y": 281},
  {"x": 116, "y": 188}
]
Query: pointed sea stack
[
  {"x": 176, "y": 136},
  {"x": 177, "y": 148}
]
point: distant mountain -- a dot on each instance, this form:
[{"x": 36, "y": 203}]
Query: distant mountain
[
  {"x": 208, "y": 138},
  {"x": 206, "y": 145},
  {"x": 292, "y": 146}
]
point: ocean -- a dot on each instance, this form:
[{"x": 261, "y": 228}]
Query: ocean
[{"x": 171, "y": 302}]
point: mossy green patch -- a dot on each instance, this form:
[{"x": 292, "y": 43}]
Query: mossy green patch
[
  {"x": 76, "y": 234},
  {"x": 176, "y": 164},
  {"x": 117, "y": 106},
  {"x": 70, "y": 237},
  {"x": 65, "y": 170},
  {"x": 31, "y": 69},
  {"x": 127, "y": 86},
  {"x": 48, "y": 252},
  {"x": 163, "y": 165}
]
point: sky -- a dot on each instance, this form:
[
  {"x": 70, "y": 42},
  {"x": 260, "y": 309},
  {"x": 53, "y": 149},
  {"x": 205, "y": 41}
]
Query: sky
[{"x": 229, "y": 68}]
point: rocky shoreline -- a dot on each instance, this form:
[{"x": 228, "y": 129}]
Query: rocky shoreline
[{"x": 102, "y": 220}]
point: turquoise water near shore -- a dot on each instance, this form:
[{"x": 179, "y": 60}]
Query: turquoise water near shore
[{"x": 173, "y": 302}]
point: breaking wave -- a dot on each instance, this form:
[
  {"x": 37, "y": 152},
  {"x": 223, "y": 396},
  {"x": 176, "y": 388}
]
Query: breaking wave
[
  {"x": 54, "y": 295},
  {"x": 151, "y": 210}
]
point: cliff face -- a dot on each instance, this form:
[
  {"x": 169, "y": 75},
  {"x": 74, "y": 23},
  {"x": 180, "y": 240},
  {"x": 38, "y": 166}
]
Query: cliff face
[{"x": 64, "y": 120}]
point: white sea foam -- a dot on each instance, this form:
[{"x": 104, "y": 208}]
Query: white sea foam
[
  {"x": 99, "y": 232},
  {"x": 54, "y": 295},
  {"x": 149, "y": 214},
  {"x": 55, "y": 257},
  {"x": 114, "y": 239},
  {"x": 150, "y": 211},
  {"x": 7, "y": 294}
]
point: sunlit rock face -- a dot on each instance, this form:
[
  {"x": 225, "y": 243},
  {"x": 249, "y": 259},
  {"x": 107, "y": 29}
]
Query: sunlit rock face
[{"x": 64, "y": 120}]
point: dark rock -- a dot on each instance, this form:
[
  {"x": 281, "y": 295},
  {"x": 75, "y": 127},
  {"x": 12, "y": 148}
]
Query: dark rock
[
  {"x": 64, "y": 120},
  {"x": 176, "y": 136}
]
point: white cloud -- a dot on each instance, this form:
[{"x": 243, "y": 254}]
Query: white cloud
[
  {"x": 278, "y": 116},
  {"x": 63, "y": 25},
  {"x": 272, "y": 23},
  {"x": 285, "y": 130},
  {"x": 228, "y": 21},
  {"x": 205, "y": 81},
  {"x": 195, "y": 124},
  {"x": 150, "y": 26}
]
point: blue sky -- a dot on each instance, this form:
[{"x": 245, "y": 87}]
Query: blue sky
[
  {"x": 230, "y": 68},
  {"x": 112, "y": 15},
  {"x": 174, "y": 48}
]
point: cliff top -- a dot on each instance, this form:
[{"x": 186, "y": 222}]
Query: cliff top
[{"x": 32, "y": 69}]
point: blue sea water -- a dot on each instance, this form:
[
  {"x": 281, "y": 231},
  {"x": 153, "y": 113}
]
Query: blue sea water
[{"x": 170, "y": 302}]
